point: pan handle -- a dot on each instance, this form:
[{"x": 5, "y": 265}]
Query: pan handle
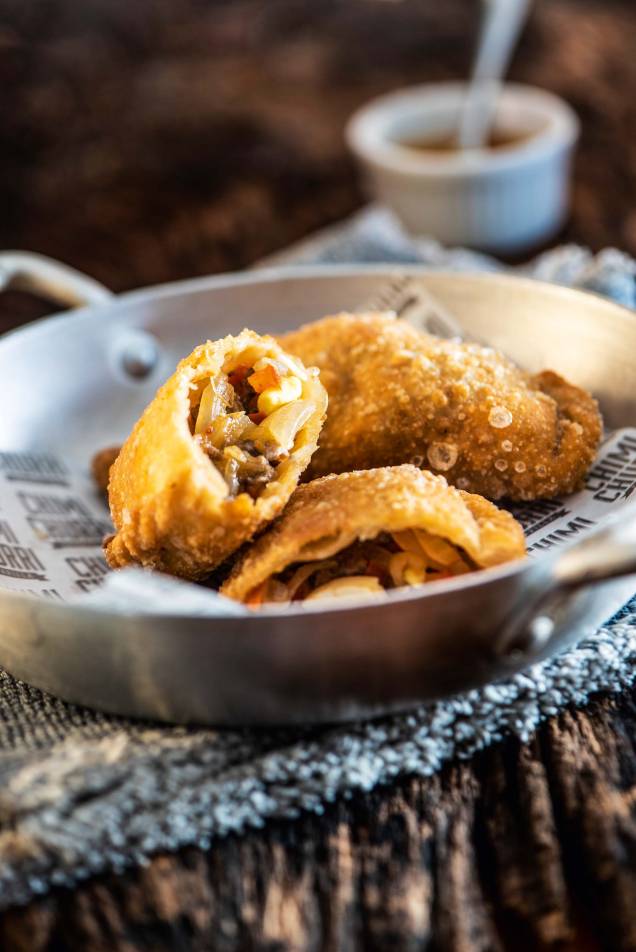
[
  {"x": 49, "y": 279},
  {"x": 608, "y": 553}
]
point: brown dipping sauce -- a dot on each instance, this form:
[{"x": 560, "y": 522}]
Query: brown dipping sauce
[{"x": 498, "y": 139}]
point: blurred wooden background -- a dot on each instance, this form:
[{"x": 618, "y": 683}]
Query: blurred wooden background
[{"x": 148, "y": 141}]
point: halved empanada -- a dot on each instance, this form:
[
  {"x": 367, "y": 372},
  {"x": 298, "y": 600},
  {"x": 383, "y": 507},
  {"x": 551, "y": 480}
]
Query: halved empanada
[
  {"x": 364, "y": 532},
  {"x": 215, "y": 456}
]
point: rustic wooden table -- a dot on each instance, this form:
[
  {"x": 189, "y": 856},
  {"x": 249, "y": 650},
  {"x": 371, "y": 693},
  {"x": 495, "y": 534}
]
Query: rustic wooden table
[{"x": 144, "y": 143}]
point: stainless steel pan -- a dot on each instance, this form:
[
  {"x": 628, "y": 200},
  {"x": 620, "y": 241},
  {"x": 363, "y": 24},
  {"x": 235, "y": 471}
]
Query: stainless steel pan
[{"x": 76, "y": 382}]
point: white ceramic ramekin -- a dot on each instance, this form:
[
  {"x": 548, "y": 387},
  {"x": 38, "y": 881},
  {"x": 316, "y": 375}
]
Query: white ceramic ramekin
[{"x": 506, "y": 199}]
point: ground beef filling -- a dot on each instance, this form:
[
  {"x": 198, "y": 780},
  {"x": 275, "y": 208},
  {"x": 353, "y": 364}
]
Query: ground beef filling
[
  {"x": 235, "y": 431},
  {"x": 411, "y": 557}
]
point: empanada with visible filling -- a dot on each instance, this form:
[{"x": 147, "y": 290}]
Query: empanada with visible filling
[
  {"x": 398, "y": 395},
  {"x": 214, "y": 457},
  {"x": 361, "y": 533}
]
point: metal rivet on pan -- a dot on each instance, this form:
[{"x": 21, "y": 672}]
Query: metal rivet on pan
[
  {"x": 540, "y": 631},
  {"x": 138, "y": 354},
  {"x": 533, "y": 638}
]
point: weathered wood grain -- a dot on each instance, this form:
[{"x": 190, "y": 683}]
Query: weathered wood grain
[
  {"x": 149, "y": 142},
  {"x": 527, "y": 847}
]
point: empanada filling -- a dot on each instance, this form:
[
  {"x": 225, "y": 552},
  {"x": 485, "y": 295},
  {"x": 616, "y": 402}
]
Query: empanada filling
[
  {"x": 246, "y": 418},
  {"x": 391, "y": 560}
]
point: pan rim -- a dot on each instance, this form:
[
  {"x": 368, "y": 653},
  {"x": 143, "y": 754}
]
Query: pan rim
[{"x": 271, "y": 275}]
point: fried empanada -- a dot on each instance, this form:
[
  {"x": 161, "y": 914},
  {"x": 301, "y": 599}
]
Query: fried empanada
[
  {"x": 215, "y": 456},
  {"x": 362, "y": 533},
  {"x": 398, "y": 395},
  {"x": 101, "y": 464}
]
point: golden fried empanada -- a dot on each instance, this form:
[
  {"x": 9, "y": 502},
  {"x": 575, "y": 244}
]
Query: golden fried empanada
[
  {"x": 365, "y": 532},
  {"x": 101, "y": 464},
  {"x": 215, "y": 456},
  {"x": 398, "y": 395}
]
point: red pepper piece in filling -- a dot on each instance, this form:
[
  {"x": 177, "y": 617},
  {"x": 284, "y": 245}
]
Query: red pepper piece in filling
[{"x": 263, "y": 379}]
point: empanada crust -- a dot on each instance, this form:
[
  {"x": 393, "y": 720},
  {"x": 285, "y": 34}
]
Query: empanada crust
[
  {"x": 329, "y": 513},
  {"x": 398, "y": 395},
  {"x": 168, "y": 501}
]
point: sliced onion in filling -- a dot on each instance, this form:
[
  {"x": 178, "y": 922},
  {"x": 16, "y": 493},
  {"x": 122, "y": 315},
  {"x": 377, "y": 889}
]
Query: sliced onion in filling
[
  {"x": 210, "y": 407},
  {"x": 408, "y": 569},
  {"x": 304, "y": 573},
  {"x": 407, "y": 558},
  {"x": 281, "y": 426},
  {"x": 352, "y": 586},
  {"x": 436, "y": 549},
  {"x": 229, "y": 428},
  {"x": 247, "y": 426}
]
